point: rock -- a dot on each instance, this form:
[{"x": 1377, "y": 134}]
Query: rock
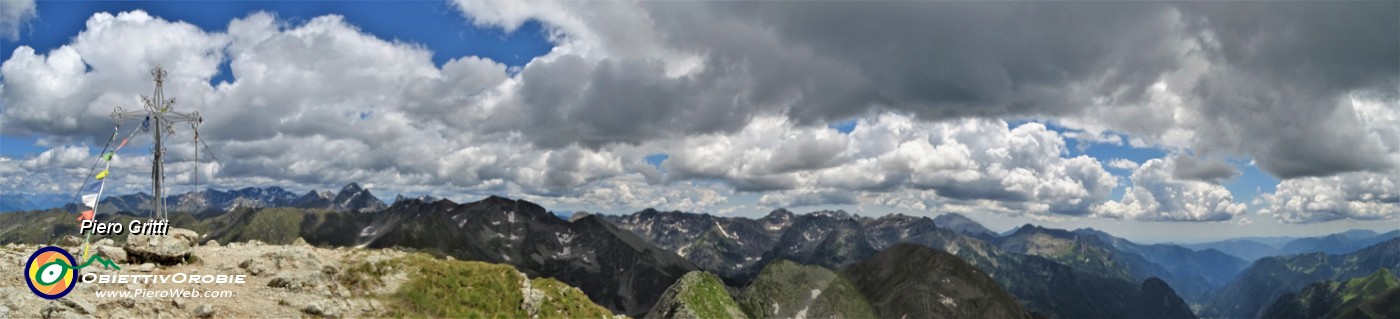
[
  {"x": 4, "y": 312},
  {"x": 127, "y": 303},
  {"x": 71, "y": 241},
  {"x": 170, "y": 249},
  {"x": 106, "y": 242},
  {"x": 184, "y": 234},
  {"x": 313, "y": 309},
  {"x": 300, "y": 242},
  {"x": 204, "y": 311},
  {"x": 254, "y": 242},
  {"x": 212, "y": 243},
  {"x": 533, "y": 300},
  {"x": 146, "y": 267},
  {"x": 52, "y": 312},
  {"x": 255, "y": 267},
  {"x": 81, "y": 306},
  {"x": 288, "y": 258},
  {"x": 297, "y": 281},
  {"x": 178, "y": 302},
  {"x": 116, "y": 254}
]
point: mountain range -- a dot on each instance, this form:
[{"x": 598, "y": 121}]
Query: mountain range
[
  {"x": 1271, "y": 277},
  {"x": 1253, "y": 248},
  {"x": 818, "y": 264},
  {"x": 837, "y": 240},
  {"x": 351, "y": 198},
  {"x": 1361, "y": 297}
]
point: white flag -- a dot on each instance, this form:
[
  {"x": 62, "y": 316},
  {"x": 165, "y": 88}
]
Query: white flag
[{"x": 90, "y": 200}]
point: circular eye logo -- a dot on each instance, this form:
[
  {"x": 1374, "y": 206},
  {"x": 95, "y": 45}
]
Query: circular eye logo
[{"x": 50, "y": 272}]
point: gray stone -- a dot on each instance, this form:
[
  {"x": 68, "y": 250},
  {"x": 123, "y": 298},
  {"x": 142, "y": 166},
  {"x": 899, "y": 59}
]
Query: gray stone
[
  {"x": 170, "y": 249},
  {"x": 297, "y": 281},
  {"x": 212, "y": 243},
  {"x": 313, "y": 309},
  {"x": 81, "y": 306},
  {"x": 52, "y": 312},
  {"x": 300, "y": 242},
  {"x": 146, "y": 267},
  {"x": 204, "y": 311},
  {"x": 117, "y": 255},
  {"x": 71, "y": 241},
  {"x": 106, "y": 242}
]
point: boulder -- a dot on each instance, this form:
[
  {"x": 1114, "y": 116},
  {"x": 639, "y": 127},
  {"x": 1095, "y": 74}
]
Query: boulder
[
  {"x": 204, "y": 311},
  {"x": 297, "y": 280},
  {"x": 171, "y": 249},
  {"x": 113, "y": 253},
  {"x": 81, "y": 306}
]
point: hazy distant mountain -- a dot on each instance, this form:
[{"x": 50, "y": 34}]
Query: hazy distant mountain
[
  {"x": 962, "y": 224},
  {"x": 1091, "y": 254},
  {"x": 1246, "y": 249},
  {"x": 212, "y": 199},
  {"x": 1253, "y": 248},
  {"x": 213, "y": 202},
  {"x": 425, "y": 198},
  {"x": 912, "y": 281},
  {"x": 1354, "y": 298},
  {"x": 1192, "y": 273},
  {"x": 22, "y": 202},
  {"x": 1339, "y": 243},
  {"x": 1270, "y": 277}
]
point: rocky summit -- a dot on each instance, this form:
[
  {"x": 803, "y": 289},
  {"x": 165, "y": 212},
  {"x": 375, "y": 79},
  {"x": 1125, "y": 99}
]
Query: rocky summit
[{"x": 287, "y": 281}]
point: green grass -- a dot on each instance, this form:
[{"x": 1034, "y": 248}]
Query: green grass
[
  {"x": 440, "y": 288},
  {"x": 707, "y": 297},
  {"x": 278, "y": 226}
]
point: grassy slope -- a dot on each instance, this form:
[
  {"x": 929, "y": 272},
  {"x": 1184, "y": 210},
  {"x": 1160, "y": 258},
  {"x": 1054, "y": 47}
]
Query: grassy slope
[
  {"x": 707, "y": 297},
  {"x": 788, "y": 285},
  {"x": 439, "y": 288}
]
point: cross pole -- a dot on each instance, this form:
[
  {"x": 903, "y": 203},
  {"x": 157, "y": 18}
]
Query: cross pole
[{"x": 162, "y": 117}]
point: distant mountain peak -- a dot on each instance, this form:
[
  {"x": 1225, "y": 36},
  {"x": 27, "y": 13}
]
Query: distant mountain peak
[
  {"x": 837, "y": 214},
  {"x": 962, "y": 224}
]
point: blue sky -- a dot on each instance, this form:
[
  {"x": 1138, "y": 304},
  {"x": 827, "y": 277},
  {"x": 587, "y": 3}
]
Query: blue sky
[{"x": 578, "y": 102}]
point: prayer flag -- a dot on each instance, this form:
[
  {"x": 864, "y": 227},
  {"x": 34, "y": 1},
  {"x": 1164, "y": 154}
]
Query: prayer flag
[{"x": 90, "y": 200}]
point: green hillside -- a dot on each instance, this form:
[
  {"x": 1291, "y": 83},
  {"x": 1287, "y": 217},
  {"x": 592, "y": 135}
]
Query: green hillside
[
  {"x": 1330, "y": 299},
  {"x": 785, "y": 289},
  {"x": 1315, "y": 278},
  {"x": 698, "y": 294},
  {"x": 442, "y": 288}
]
